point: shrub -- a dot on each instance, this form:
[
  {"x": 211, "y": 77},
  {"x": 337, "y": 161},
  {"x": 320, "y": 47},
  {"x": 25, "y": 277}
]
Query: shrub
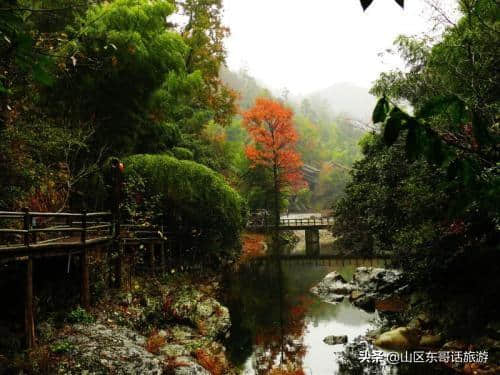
[
  {"x": 62, "y": 347},
  {"x": 196, "y": 200},
  {"x": 182, "y": 153},
  {"x": 79, "y": 315}
]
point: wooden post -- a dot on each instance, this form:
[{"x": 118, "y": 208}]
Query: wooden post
[
  {"x": 119, "y": 267},
  {"x": 29, "y": 315},
  {"x": 312, "y": 242},
  {"x": 29, "y": 319},
  {"x": 152, "y": 258},
  {"x": 26, "y": 227},
  {"x": 121, "y": 248},
  {"x": 162, "y": 244},
  {"x": 84, "y": 262}
]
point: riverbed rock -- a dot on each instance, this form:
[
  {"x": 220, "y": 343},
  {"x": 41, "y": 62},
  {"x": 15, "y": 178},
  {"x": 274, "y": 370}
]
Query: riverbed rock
[
  {"x": 355, "y": 294},
  {"x": 377, "y": 279},
  {"x": 365, "y": 302},
  {"x": 421, "y": 321},
  {"x": 174, "y": 350},
  {"x": 367, "y": 286},
  {"x": 429, "y": 340},
  {"x": 188, "y": 366},
  {"x": 333, "y": 288},
  {"x": 205, "y": 313},
  {"x": 335, "y": 340},
  {"x": 401, "y": 338},
  {"x": 98, "y": 348}
]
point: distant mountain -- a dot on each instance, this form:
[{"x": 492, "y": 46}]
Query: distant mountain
[{"x": 346, "y": 98}]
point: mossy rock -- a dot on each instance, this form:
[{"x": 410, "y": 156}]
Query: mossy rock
[{"x": 401, "y": 338}]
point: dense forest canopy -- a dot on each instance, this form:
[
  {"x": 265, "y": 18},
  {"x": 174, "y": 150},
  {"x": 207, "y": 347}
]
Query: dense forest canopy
[
  {"x": 427, "y": 188},
  {"x": 127, "y": 106}
]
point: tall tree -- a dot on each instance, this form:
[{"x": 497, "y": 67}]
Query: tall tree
[
  {"x": 273, "y": 148},
  {"x": 204, "y": 33}
]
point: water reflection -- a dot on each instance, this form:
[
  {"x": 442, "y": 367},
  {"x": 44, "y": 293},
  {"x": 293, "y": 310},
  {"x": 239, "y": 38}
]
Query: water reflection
[{"x": 277, "y": 321}]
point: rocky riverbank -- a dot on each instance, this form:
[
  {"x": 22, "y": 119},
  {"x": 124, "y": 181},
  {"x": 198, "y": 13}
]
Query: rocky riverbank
[
  {"x": 404, "y": 327},
  {"x": 367, "y": 287},
  {"x": 159, "y": 327}
]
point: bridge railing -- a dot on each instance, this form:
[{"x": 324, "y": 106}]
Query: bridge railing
[
  {"x": 30, "y": 229},
  {"x": 292, "y": 222},
  {"x": 311, "y": 221}
]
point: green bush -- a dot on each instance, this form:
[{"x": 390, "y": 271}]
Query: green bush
[
  {"x": 182, "y": 153},
  {"x": 196, "y": 201},
  {"x": 61, "y": 347},
  {"x": 79, "y": 315}
]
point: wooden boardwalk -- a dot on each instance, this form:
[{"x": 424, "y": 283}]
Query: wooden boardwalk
[{"x": 25, "y": 236}]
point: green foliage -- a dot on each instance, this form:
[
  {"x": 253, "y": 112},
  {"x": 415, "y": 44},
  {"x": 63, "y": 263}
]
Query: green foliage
[
  {"x": 178, "y": 100},
  {"x": 19, "y": 50},
  {"x": 196, "y": 200},
  {"x": 62, "y": 347},
  {"x": 380, "y": 111},
  {"x": 79, "y": 315},
  {"x": 426, "y": 191},
  {"x": 182, "y": 153},
  {"x": 124, "y": 38}
]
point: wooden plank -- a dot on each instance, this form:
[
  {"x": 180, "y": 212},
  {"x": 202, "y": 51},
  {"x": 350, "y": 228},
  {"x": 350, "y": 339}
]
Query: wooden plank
[
  {"x": 94, "y": 214},
  {"x": 13, "y": 231},
  {"x": 55, "y": 214}
]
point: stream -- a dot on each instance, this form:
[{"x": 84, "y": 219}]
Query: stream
[{"x": 276, "y": 319}]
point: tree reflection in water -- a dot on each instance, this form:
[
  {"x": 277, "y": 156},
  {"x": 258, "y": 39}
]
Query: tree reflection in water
[
  {"x": 267, "y": 323},
  {"x": 278, "y": 326}
]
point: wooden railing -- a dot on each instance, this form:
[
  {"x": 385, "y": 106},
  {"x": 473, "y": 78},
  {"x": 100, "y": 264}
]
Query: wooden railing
[
  {"x": 27, "y": 235},
  {"x": 292, "y": 222},
  {"x": 313, "y": 221},
  {"x": 29, "y": 229}
]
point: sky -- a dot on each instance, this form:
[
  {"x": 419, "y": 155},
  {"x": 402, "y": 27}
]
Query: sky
[{"x": 307, "y": 45}]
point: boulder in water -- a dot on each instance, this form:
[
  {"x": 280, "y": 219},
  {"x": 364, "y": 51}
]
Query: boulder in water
[
  {"x": 402, "y": 338},
  {"x": 333, "y": 288},
  {"x": 335, "y": 340},
  {"x": 377, "y": 279},
  {"x": 428, "y": 340},
  {"x": 368, "y": 285}
]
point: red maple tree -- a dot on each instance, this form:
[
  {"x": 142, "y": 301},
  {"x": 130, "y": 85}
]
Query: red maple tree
[{"x": 273, "y": 146}]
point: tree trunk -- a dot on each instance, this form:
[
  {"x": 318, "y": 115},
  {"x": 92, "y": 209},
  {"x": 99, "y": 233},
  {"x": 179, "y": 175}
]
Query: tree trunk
[{"x": 276, "y": 211}]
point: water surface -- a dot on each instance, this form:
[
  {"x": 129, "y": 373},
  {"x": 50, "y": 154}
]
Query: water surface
[{"x": 276, "y": 319}]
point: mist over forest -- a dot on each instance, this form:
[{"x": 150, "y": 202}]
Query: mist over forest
[
  {"x": 330, "y": 123},
  {"x": 163, "y": 211}
]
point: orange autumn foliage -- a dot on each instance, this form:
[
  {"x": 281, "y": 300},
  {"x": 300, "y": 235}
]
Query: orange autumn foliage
[
  {"x": 155, "y": 342},
  {"x": 212, "y": 363},
  {"x": 253, "y": 246},
  {"x": 286, "y": 371},
  {"x": 274, "y": 139}
]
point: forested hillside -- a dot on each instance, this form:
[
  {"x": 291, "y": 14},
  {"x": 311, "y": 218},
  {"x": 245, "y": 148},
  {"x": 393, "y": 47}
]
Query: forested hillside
[
  {"x": 327, "y": 141},
  {"x": 145, "y": 186},
  {"x": 81, "y": 84},
  {"x": 347, "y": 99}
]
